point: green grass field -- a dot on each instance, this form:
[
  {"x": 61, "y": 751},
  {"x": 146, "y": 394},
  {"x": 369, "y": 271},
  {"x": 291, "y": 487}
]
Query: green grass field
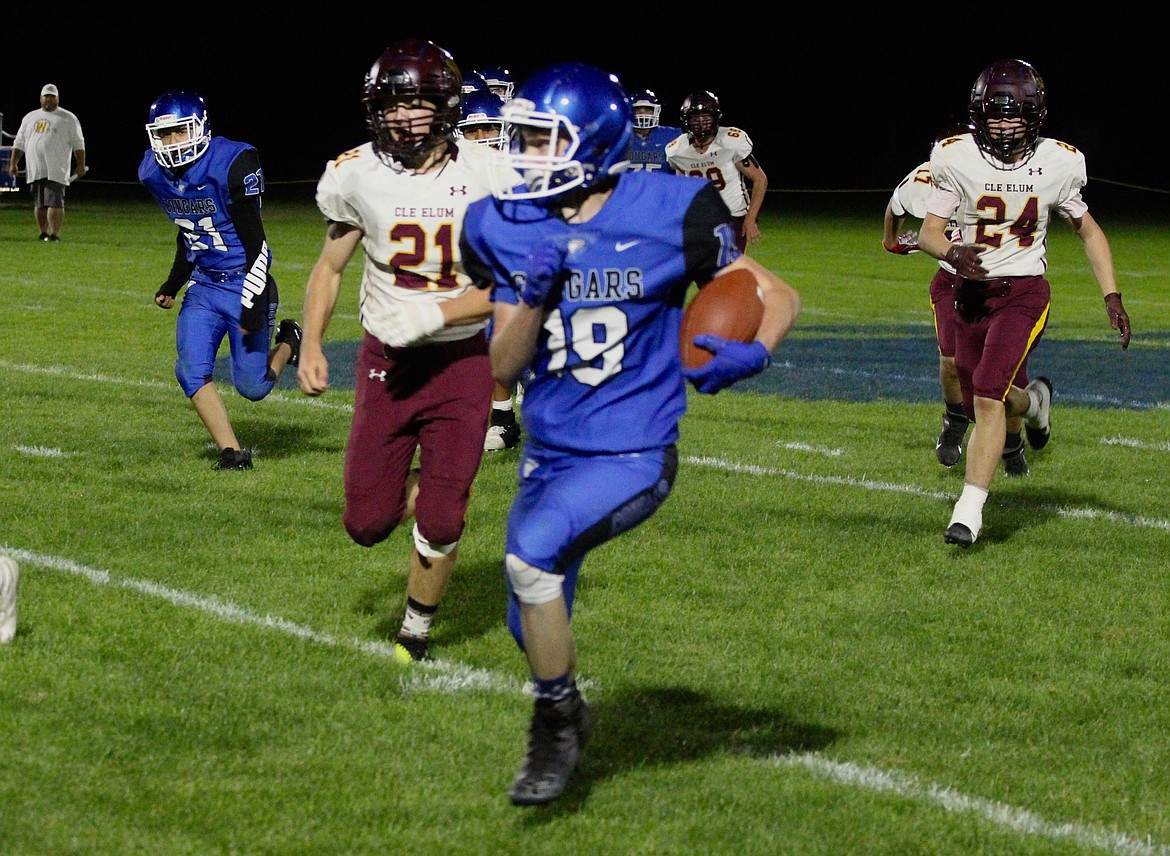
[{"x": 786, "y": 659}]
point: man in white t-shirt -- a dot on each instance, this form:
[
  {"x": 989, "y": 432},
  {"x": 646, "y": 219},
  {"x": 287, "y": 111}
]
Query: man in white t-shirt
[{"x": 53, "y": 147}]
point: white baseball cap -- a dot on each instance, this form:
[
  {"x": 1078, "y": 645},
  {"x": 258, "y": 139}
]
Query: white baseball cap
[{"x": 48, "y": 89}]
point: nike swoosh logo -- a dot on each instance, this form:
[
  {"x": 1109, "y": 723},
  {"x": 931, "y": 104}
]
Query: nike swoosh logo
[{"x": 622, "y": 246}]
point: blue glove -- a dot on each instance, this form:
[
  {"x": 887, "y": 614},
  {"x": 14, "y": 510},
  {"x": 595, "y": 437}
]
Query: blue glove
[
  {"x": 732, "y": 361},
  {"x": 545, "y": 262}
]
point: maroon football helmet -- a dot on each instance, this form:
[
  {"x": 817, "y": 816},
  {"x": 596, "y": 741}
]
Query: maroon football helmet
[
  {"x": 407, "y": 70},
  {"x": 700, "y": 115},
  {"x": 1008, "y": 89}
]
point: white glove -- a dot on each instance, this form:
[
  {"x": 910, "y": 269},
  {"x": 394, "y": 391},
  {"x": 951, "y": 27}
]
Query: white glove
[{"x": 410, "y": 322}]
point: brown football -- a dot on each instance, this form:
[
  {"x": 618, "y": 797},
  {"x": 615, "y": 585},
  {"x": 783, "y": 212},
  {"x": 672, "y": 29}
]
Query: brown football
[{"x": 727, "y": 306}]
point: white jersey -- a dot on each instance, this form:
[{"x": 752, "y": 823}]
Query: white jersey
[
  {"x": 1006, "y": 208},
  {"x": 716, "y": 164},
  {"x": 909, "y": 197},
  {"x": 48, "y": 139},
  {"x": 411, "y": 226},
  {"x": 909, "y": 200}
]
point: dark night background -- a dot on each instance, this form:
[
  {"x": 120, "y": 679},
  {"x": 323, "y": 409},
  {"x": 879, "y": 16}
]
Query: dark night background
[{"x": 847, "y": 104}]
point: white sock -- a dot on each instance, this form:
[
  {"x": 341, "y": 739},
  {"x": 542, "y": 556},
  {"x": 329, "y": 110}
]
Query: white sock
[
  {"x": 1033, "y": 404},
  {"x": 417, "y": 623},
  {"x": 506, "y": 404},
  {"x": 969, "y": 508}
]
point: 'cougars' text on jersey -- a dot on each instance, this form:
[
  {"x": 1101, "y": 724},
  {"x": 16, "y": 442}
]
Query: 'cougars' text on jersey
[{"x": 609, "y": 350}]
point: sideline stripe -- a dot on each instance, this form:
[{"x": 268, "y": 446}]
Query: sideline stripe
[
  {"x": 1018, "y": 820},
  {"x": 451, "y": 677}
]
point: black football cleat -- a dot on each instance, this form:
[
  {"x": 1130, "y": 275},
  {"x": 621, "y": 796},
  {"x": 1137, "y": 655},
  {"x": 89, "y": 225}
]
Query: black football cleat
[
  {"x": 558, "y": 733},
  {"x": 288, "y": 332},
  {"x": 957, "y": 533},
  {"x": 949, "y": 446},
  {"x": 503, "y": 433},
  {"x": 1014, "y": 462},
  {"x": 410, "y": 649},
  {"x": 231, "y": 459}
]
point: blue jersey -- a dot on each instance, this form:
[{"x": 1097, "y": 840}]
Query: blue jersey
[
  {"x": 650, "y": 153},
  {"x": 198, "y": 201},
  {"x": 606, "y": 377}
]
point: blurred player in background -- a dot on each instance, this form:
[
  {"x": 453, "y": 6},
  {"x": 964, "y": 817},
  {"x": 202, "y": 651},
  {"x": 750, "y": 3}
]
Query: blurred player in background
[
  {"x": 590, "y": 267},
  {"x": 424, "y": 382},
  {"x": 482, "y": 122},
  {"x": 909, "y": 201},
  {"x": 499, "y": 81},
  {"x": 210, "y": 187},
  {"x": 723, "y": 156},
  {"x": 648, "y": 145},
  {"x": 473, "y": 82},
  {"x": 1002, "y": 185}
]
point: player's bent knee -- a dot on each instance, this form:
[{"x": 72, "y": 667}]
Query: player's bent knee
[
  {"x": 254, "y": 390},
  {"x": 367, "y": 533},
  {"x": 190, "y": 381},
  {"x": 532, "y": 585},
  {"x": 431, "y": 549}
]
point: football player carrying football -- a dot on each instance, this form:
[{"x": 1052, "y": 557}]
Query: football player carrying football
[
  {"x": 589, "y": 266},
  {"x": 723, "y": 156},
  {"x": 1002, "y": 186},
  {"x": 424, "y": 381}
]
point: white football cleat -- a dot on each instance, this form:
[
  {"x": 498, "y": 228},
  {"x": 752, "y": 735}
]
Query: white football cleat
[{"x": 9, "y": 584}]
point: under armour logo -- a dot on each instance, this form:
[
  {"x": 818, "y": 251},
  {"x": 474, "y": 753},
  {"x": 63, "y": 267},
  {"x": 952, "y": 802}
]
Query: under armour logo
[
  {"x": 458, "y": 191},
  {"x": 379, "y": 375},
  {"x": 1035, "y": 170}
]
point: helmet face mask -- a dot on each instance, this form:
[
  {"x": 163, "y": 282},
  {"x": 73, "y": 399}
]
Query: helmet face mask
[
  {"x": 1008, "y": 106},
  {"x": 423, "y": 78},
  {"x": 700, "y": 116},
  {"x": 482, "y": 120},
  {"x": 647, "y": 109},
  {"x": 568, "y": 126},
  {"x": 183, "y": 112}
]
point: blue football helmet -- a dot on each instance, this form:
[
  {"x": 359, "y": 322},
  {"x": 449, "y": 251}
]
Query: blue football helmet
[
  {"x": 182, "y": 110},
  {"x": 586, "y": 118},
  {"x": 483, "y": 110},
  {"x": 499, "y": 81},
  {"x": 642, "y": 99},
  {"x": 473, "y": 82}
]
